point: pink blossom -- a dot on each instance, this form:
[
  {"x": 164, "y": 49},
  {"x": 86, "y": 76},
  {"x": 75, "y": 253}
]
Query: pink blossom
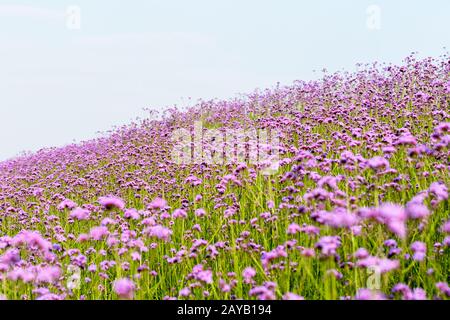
[
  {"x": 97, "y": 233},
  {"x": 112, "y": 202},
  {"x": 159, "y": 232},
  {"x": 80, "y": 214},
  {"x": 124, "y": 288},
  {"x": 158, "y": 203}
]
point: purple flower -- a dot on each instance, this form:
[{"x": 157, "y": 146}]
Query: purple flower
[
  {"x": 248, "y": 274},
  {"x": 439, "y": 192},
  {"x": 135, "y": 256},
  {"x": 417, "y": 210},
  {"x": 416, "y": 294},
  {"x": 24, "y": 274},
  {"x": 339, "y": 218},
  {"x": 446, "y": 227},
  {"x": 158, "y": 203},
  {"x": 378, "y": 163},
  {"x": 131, "y": 214},
  {"x": 444, "y": 126},
  {"x": 292, "y": 296},
  {"x": 66, "y": 204},
  {"x": 406, "y": 139},
  {"x": 179, "y": 213},
  {"x": 368, "y": 294},
  {"x": 10, "y": 257},
  {"x": 361, "y": 253},
  {"x": 48, "y": 274},
  {"x": 267, "y": 257},
  {"x": 263, "y": 293},
  {"x": 408, "y": 294},
  {"x": 80, "y": 214},
  {"x": 200, "y": 274},
  {"x": 381, "y": 265},
  {"x": 185, "y": 292},
  {"x": 50, "y": 296},
  {"x": 33, "y": 240},
  {"x": 205, "y": 276},
  {"x": 124, "y": 288},
  {"x": 443, "y": 288},
  {"x": 200, "y": 212},
  {"x": 390, "y": 243},
  {"x": 446, "y": 241},
  {"x": 394, "y": 216},
  {"x": 111, "y": 202},
  {"x": 293, "y": 228},
  {"x": 310, "y": 230},
  {"x": 98, "y": 233},
  {"x": 420, "y": 250},
  {"x": 159, "y": 232},
  {"x": 328, "y": 245}
]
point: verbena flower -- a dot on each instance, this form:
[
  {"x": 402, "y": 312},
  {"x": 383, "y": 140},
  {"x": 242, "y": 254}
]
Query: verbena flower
[
  {"x": 420, "y": 249},
  {"x": 159, "y": 232},
  {"x": 112, "y": 202},
  {"x": 80, "y": 214},
  {"x": 124, "y": 288}
]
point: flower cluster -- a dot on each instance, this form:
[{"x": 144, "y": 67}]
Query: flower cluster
[{"x": 357, "y": 207}]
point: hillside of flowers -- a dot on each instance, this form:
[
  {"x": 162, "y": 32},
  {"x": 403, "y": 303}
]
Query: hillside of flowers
[{"x": 356, "y": 208}]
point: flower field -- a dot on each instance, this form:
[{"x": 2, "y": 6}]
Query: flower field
[{"x": 356, "y": 205}]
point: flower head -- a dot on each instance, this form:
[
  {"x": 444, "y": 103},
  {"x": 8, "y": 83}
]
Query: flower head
[
  {"x": 111, "y": 202},
  {"x": 158, "y": 203},
  {"x": 124, "y": 288}
]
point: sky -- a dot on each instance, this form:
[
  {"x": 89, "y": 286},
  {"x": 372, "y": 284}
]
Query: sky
[{"x": 72, "y": 69}]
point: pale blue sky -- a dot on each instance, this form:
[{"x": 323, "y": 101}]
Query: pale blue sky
[{"x": 58, "y": 85}]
